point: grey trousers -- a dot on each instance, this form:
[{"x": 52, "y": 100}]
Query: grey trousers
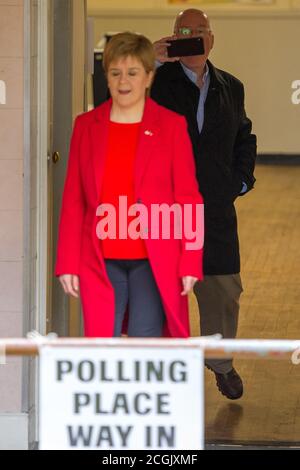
[
  {"x": 134, "y": 286},
  {"x": 218, "y": 301}
]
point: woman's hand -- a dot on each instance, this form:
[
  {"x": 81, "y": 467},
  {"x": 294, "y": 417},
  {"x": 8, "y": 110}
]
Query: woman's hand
[
  {"x": 160, "y": 48},
  {"x": 70, "y": 283},
  {"x": 188, "y": 284}
]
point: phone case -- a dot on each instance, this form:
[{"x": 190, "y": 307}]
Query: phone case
[{"x": 185, "y": 47}]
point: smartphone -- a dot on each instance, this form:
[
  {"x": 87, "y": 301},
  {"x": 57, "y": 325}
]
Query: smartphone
[{"x": 185, "y": 47}]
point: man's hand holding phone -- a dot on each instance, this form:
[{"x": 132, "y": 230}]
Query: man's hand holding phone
[
  {"x": 161, "y": 50},
  {"x": 170, "y": 49}
]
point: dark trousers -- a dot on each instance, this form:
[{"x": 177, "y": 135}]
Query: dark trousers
[
  {"x": 218, "y": 300},
  {"x": 134, "y": 285}
]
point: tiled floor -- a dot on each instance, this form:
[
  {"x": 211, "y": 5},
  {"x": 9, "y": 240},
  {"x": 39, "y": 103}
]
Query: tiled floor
[{"x": 269, "y": 228}]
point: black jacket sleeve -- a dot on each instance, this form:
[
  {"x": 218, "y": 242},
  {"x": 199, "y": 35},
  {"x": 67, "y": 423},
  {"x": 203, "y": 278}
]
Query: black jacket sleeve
[{"x": 244, "y": 153}]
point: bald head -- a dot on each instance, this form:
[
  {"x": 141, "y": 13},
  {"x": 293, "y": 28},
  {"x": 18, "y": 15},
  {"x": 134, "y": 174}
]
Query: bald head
[
  {"x": 191, "y": 16},
  {"x": 194, "y": 23}
]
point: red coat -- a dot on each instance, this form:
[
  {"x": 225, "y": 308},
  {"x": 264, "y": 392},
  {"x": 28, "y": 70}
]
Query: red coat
[{"x": 164, "y": 173}]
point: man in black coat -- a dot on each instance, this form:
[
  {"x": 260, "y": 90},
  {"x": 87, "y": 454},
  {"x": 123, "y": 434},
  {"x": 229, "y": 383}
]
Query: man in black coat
[{"x": 225, "y": 149}]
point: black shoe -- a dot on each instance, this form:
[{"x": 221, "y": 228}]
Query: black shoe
[{"x": 230, "y": 384}]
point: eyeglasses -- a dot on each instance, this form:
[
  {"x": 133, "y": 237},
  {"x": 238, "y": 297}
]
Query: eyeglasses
[{"x": 185, "y": 31}]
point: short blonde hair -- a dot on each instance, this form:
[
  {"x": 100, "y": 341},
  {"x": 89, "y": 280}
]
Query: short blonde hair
[{"x": 126, "y": 44}]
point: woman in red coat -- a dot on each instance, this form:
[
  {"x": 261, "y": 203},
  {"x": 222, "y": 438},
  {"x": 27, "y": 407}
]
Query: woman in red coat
[{"x": 131, "y": 226}]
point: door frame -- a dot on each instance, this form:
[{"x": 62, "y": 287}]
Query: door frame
[
  {"x": 44, "y": 92},
  {"x": 44, "y": 262}
]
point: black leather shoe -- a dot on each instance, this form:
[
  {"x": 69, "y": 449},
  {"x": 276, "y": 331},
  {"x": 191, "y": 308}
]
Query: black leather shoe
[{"x": 230, "y": 384}]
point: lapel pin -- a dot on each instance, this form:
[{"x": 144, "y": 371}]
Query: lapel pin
[{"x": 148, "y": 133}]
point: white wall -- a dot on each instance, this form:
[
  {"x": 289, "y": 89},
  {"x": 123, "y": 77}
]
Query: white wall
[
  {"x": 258, "y": 44},
  {"x": 13, "y": 422},
  {"x": 263, "y": 53},
  {"x": 11, "y": 197}
]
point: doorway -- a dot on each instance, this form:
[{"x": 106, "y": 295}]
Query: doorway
[{"x": 66, "y": 99}]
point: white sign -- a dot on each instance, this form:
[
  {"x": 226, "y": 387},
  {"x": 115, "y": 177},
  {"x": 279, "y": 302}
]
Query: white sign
[{"x": 121, "y": 398}]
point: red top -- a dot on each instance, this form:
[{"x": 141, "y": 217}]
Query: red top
[{"x": 118, "y": 180}]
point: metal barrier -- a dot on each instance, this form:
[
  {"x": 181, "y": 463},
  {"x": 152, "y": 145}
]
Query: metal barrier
[
  {"x": 69, "y": 409},
  {"x": 213, "y": 346}
]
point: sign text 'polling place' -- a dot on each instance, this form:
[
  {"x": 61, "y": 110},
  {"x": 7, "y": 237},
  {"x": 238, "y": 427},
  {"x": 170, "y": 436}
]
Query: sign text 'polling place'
[{"x": 121, "y": 398}]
